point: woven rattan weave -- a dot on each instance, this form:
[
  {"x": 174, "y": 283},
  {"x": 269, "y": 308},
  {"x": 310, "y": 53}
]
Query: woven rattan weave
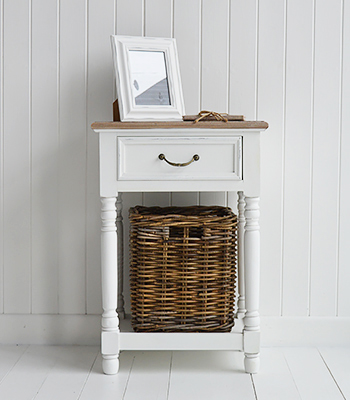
[{"x": 182, "y": 268}]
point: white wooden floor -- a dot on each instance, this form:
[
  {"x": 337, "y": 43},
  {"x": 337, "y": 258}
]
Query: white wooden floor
[{"x": 67, "y": 372}]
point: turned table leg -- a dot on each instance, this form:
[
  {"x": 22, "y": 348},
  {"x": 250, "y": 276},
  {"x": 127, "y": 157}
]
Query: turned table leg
[
  {"x": 109, "y": 258},
  {"x": 252, "y": 276}
]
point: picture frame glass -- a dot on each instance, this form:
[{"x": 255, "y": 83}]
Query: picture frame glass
[{"x": 149, "y": 78}]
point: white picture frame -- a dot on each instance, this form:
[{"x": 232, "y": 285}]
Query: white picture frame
[{"x": 147, "y": 78}]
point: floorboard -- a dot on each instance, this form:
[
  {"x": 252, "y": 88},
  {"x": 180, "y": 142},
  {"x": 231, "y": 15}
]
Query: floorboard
[
  {"x": 27, "y": 378},
  {"x": 311, "y": 375},
  {"x": 209, "y": 375},
  {"x": 274, "y": 380},
  {"x": 108, "y": 387},
  {"x": 69, "y": 374},
  {"x": 149, "y": 376},
  {"x": 338, "y": 363},
  {"x": 9, "y": 356}
]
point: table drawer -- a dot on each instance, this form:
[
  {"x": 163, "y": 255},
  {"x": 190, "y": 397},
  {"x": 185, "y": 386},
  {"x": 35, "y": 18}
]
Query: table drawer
[{"x": 220, "y": 158}]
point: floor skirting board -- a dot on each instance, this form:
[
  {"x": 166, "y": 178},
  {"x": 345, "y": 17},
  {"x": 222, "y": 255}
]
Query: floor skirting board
[
  {"x": 305, "y": 331},
  {"x": 85, "y": 330},
  {"x": 50, "y": 329}
]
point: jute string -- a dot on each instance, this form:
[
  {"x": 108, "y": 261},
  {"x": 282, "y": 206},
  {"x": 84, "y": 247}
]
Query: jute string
[{"x": 205, "y": 114}]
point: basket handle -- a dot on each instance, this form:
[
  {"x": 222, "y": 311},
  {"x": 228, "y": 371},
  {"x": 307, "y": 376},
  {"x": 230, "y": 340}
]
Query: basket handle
[{"x": 194, "y": 158}]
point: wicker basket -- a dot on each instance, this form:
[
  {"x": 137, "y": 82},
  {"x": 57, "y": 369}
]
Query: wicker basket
[{"x": 182, "y": 268}]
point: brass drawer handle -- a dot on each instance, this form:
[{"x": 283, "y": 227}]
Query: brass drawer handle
[{"x": 194, "y": 158}]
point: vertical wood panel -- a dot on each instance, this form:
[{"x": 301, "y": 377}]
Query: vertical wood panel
[
  {"x": 187, "y": 20},
  {"x": 271, "y": 109},
  {"x": 344, "y": 216},
  {"x": 161, "y": 199},
  {"x": 100, "y": 89},
  {"x": 44, "y": 153},
  {"x": 158, "y": 18},
  {"x": 212, "y": 198},
  {"x": 184, "y": 199},
  {"x": 72, "y": 157},
  {"x": 298, "y": 140},
  {"x": 2, "y": 154},
  {"x": 232, "y": 199},
  {"x": 324, "y": 233},
  {"x": 215, "y": 33},
  {"x": 243, "y": 46},
  {"x": 129, "y": 17},
  {"x": 17, "y": 160}
]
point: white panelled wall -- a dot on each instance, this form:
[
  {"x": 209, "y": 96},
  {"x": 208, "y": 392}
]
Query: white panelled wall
[{"x": 286, "y": 62}]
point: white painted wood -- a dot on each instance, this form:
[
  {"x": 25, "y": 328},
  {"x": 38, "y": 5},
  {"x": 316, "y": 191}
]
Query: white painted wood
[
  {"x": 160, "y": 199},
  {"x": 271, "y": 108},
  {"x": 187, "y": 20},
  {"x": 40, "y": 366},
  {"x": 108, "y": 387},
  {"x": 337, "y": 360},
  {"x": 17, "y": 175},
  {"x": 232, "y": 201},
  {"x": 209, "y": 375},
  {"x": 2, "y": 154},
  {"x": 9, "y": 356},
  {"x": 129, "y": 17},
  {"x": 220, "y": 158},
  {"x": 215, "y": 34},
  {"x": 344, "y": 211},
  {"x": 109, "y": 260},
  {"x": 305, "y": 331},
  {"x": 252, "y": 281},
  {"x": 149, "y": 377},
  {"x": 158, "y": 18},
  {"x": 72, "y": 182},
  {"x": 313, "y": 380},
  {"x": 44, "y": 150},
  {"x": 50, "y": 329},
  {"x": 324, "y": 248},
  {"x": 243, "y": 58},
  {"x": 99, "y": 107},
  {"x": 298, "y": 129},
  {"x": 275, "y": 379},
  {"x": 70, "y": 371},
  {"x": 212, "y": 198},
  {"x": 183, "y": 199}
]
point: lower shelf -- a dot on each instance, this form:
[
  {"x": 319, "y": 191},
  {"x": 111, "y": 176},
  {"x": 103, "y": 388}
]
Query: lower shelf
[{"x": 127, "y": 339}]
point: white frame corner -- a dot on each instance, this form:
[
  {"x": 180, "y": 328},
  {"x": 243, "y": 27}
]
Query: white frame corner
[{"x": 128, "y": 110}]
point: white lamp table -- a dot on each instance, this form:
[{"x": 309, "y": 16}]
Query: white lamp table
[{"x": 170, "y": 157}]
